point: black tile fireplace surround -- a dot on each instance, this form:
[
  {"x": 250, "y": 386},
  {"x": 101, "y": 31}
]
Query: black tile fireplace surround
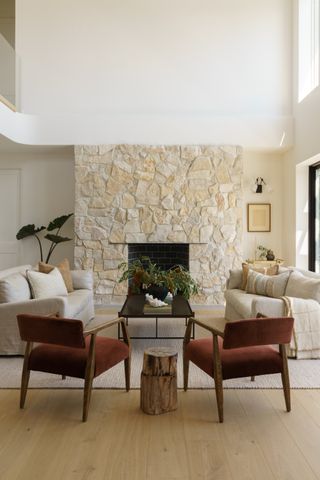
[{"x": 166, "y": 255}]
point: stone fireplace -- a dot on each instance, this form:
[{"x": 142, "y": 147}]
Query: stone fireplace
[{"x": 158, "y": 194}]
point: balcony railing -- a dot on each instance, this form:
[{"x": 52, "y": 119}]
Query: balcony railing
[{"x": 8, "y": 65}]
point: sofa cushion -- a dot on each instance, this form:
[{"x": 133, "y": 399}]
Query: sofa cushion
[
  {"x": 246, "y": 268},
  {"x": 78, "y": 301},
  {"x": 45, "y": 285},
  {"x": 64, "y": 269},
  {"x": 306, "y": 273},
  {"x": 270, "y": 286},
  {"x": 271, "y": 307},
  {"x": 241, "y": 302},
  {"x": 303, "y": 287},
  {"x": 235, "y": 278},
  {"x": 20, "y": 269},
  {"x": 14, "y": 288},
  {"x": 82, "y": 279}
]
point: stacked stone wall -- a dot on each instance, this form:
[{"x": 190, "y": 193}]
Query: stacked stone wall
[{"x": 139, "y": 194}]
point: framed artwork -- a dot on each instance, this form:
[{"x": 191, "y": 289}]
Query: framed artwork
[{"x": 259, "y": 217}]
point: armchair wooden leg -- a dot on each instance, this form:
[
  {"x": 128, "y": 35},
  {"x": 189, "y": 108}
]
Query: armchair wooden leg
[
  {"x": 86, "y": 397},
  {"x": 25, "y": 374},
  {"x": 219, "y": 397},
  {"x": 285, "y": 378},
  {"x": 127, "y": 369},
  {"x": 286, "y": 391},
  {"x": 185, "y": 373},
  {"x": 217, "y": 373},
  {"x": 252, "y": 378},
  {"x": 89, "y": 378},
  {"x": 24, "y": 387},
  {"x": 63, "y": 377}
]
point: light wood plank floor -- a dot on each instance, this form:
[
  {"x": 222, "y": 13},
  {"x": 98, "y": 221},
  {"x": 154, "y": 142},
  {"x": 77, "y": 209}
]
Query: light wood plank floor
[{"x": 258, "y": 440}]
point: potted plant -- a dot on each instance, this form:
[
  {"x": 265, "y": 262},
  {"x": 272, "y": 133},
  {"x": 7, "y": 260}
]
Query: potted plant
[
  {"x": 261, "y": 252},
  {"x": 179, "y": 282},
  {"x": 55, "y": 238},
  {"x": 264, "y": 253},
  {"x": 145, "y": 276}
]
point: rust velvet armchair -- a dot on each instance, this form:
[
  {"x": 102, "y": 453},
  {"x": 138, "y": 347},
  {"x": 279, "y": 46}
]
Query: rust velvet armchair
[
  {"x": 243, "y": 348},
  {"x": 64, "y": 348}
]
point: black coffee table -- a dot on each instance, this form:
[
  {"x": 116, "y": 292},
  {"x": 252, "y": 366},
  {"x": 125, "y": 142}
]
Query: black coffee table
[{"x": 135, "y": 306}]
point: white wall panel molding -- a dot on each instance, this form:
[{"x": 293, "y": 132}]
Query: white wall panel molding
[{"x": 10, "y": 214}]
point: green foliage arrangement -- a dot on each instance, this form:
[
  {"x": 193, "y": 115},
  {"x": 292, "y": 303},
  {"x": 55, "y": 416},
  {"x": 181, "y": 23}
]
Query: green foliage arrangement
[
  {"x": 264, "y": 253},
  {"x": 32, "y": 231},
  {"x": 143, "y": 274}
]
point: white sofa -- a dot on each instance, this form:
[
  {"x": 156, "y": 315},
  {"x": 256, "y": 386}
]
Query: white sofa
[
  {"x": 240, "y": 304},
  {"x": 294, "y": 292},
  {"x": 77, "y": 304}
]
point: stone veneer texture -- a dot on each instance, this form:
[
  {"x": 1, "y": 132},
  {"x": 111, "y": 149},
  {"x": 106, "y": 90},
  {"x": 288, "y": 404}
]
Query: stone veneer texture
[{"x": 133, "y": 193}]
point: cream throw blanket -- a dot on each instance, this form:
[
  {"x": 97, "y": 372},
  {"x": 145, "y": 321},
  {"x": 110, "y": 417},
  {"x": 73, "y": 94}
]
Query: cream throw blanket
[{"x": 305, "y": 341}]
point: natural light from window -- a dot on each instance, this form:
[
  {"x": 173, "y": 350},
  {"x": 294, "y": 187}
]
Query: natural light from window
[{"x": 308, "y": 47}]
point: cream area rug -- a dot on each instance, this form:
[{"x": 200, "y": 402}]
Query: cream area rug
[{"x": 303, "y": 373}]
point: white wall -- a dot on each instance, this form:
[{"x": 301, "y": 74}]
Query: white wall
[
  {"x": 147, "y": 72},
  {"x": 7, "y": 54},
  {"x": 307, "y": 112},
  {"x": 289, "y": 209},
  {"x": 269, "y": 166},
  {"x": 304, "y": 153},
  {"x": 47, "y": 191},
  {"x": 225, "y": 57}
]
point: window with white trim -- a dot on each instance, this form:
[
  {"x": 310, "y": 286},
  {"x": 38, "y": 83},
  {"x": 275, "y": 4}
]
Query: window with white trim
[{"x": 308, "y": 47}]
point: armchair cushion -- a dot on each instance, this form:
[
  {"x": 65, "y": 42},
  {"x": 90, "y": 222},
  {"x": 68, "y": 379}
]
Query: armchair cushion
[
  {"x": 72, "y": 361},
  {"x": 235, "y": 363}
]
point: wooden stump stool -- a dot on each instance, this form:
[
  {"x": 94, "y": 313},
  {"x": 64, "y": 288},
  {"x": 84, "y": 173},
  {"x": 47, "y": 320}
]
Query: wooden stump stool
[{"x": 159, "y": 380}]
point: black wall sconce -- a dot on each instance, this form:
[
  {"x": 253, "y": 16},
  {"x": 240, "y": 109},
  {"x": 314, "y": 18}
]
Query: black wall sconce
[{"x": 258, "y": 184}]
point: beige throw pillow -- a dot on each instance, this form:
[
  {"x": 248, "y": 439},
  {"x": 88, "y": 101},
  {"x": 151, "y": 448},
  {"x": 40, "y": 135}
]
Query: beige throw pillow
[
  {"x": 64, "y": 269},
  {"x": 270, "y": 286},
  {"x": 45, "y": 285},
  {"x": 265, "y": 270}
]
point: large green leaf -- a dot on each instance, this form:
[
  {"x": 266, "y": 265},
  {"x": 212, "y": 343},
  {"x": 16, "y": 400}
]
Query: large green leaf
[
  {"x": 58, "y": 222},
  {"x": 28, "y": 231},
  {"x": 56, "y": 238}
]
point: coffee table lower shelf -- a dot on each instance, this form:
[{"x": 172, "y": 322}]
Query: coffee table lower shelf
[
  {"x": 134, "y": 307},
  {"x": 156, "y": 336}
]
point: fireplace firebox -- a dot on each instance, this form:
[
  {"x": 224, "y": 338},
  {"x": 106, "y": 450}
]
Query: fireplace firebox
[{"x": 166, "y": 255}]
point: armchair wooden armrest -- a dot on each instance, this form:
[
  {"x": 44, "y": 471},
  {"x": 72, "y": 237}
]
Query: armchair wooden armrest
[
  {"x": 110, "y": 323},
  {"x": 216, "y": 327}
]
